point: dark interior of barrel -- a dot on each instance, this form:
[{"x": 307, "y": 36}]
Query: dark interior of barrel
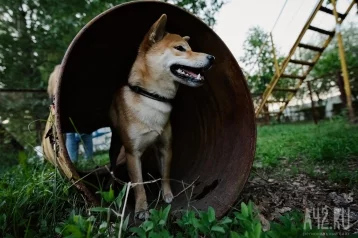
[{"x": 214, "y": 131}]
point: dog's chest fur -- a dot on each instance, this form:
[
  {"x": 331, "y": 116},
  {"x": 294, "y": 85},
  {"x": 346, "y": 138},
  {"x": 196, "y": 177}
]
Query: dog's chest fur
[{"x": 146, "y": 117}]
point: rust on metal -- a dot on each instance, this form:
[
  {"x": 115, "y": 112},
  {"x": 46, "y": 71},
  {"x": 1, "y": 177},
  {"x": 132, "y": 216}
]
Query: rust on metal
[
  {"x": 55, "y": 154},
  {"x": 214, "y": 131}
]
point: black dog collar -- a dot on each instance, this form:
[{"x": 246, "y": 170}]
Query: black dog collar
[{"x": 147, "y": 94}]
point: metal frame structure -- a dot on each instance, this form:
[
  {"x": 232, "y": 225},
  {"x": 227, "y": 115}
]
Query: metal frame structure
[
  {"x": 280, "y": 71},
  {"x": 342, "y": 57}
]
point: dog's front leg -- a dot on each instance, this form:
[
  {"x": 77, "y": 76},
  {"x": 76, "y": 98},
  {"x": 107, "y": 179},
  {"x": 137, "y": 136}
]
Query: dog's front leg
[
  {"x": 165, "y": 149},
  {"x": 135, "y": 173}
]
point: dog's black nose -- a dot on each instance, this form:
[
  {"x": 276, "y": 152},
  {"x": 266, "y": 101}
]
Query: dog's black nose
[{"x": 211, "y": 58}]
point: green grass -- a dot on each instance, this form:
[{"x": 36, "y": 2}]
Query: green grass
[
  {"x": 100, "y": 158},
  {"x": 7, "y": 159},
  {"x": 33, "y": 199},
  {"x": 331, "y": 144}
]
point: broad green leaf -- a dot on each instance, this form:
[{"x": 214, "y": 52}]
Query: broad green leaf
[
  {"x": 72, "y": 231},
  {"x": 139, "y": 231},
  {"x": 226, "y": 220},
  {"x": 98, "y": 209},
  {"x": 234, "y": 234},
  {"x": 211, "y": 214},
  {"x": 108, "y": 196},
  {"x": 218, "y": 229},
  {"x": 166, "y": 213},
  {"x": 240, "y": 217},
  {"x": 148, "y": 225},
  {"x": 258, "y": 230},
  {"x": 120, "y": 196},
  {"x": 244, "y": 210},
  {"x": 125, "y": 223}
]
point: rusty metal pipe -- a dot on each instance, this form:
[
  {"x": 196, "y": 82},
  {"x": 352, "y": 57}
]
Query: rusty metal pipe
[{"x": 214, "y": 130}]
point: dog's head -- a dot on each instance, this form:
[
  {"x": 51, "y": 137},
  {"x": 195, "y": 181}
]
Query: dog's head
[{"x": 170, "y": 57}]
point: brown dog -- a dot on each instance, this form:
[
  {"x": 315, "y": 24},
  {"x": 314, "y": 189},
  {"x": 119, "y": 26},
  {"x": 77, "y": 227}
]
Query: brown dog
[{"x": 140, "y": 111}]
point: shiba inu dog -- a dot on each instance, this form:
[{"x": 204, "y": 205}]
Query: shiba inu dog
[{"x": 140, "y": 111}]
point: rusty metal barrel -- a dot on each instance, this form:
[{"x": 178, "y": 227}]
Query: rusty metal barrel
[{"x": 214, "y": 131}]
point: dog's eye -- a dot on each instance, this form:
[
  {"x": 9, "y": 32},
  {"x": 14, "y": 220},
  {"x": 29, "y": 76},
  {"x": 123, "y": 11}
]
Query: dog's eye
[{"x": 180, "y": 48}]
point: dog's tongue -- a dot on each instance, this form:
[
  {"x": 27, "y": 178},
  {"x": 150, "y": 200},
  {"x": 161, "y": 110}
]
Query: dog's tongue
[{"x": 192, "y": 74}]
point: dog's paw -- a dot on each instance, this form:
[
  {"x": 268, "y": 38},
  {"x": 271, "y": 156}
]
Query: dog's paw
[
  {"x": 168, "y": 197},
  {"x": 141, "y": 210},
  {"x": 142, "y": 215}
]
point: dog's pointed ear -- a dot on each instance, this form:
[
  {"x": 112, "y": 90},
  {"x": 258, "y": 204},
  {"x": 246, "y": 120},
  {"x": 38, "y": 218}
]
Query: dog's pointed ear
[
  {"x": 157, "y": 31},
  {"x": 186, "y": 38}
]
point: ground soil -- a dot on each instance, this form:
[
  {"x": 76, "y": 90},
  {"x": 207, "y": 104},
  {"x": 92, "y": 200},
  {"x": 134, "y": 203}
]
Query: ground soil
[{"x": 331, "y": 205}]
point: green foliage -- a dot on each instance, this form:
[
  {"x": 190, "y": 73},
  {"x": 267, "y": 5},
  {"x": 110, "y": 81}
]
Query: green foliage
[
  {"x": 155, "y": 226},
  {"x": 27, "y": 113},
  {"x": 37, "y": 202},
  {"x": 240, "y": 224},
  {"x": 205, "y": 10},
  {"x": 9, "y": 148},
  {"x": 260, "y": 63},
  {"x": 258, "y": 58},
  {"x": 103, "y": 221},
  {"x": 292, "y": 225},
  {"x": 35, "y": 34},
  {"x": 203, "y": 224},
  {"x": 246, "y": 224},
  {"x": 33, "y": 198},
  {"x": 100, "y": 158}
]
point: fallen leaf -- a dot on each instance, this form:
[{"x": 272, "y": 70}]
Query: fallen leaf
[
  {"x": 264, "y": 222},
  {"x": 283, "y": 210}
]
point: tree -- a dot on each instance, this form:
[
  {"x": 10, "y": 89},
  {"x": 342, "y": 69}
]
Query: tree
[
  {"x": 35, "y": 34},
  {"x": 260, "y": 66},
  {"x": 204, "y": 9},
  {"x": 258, "y": 58},
  {"x": 259, "y": 61}
]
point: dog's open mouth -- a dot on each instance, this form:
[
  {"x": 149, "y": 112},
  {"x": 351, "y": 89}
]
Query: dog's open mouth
[{"x": 194, "y": 75}]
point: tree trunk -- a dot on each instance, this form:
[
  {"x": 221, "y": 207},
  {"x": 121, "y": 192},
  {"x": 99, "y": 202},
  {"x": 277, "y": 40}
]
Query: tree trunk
[
  {"x": 266, "y": 114},
  {"x": 319, "y": 101},
  {"x": 340, "y": 84},
  {"x": 314, "y": 112}
]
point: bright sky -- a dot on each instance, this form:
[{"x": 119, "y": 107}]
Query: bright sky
[{"x": 237, "y": 16}]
